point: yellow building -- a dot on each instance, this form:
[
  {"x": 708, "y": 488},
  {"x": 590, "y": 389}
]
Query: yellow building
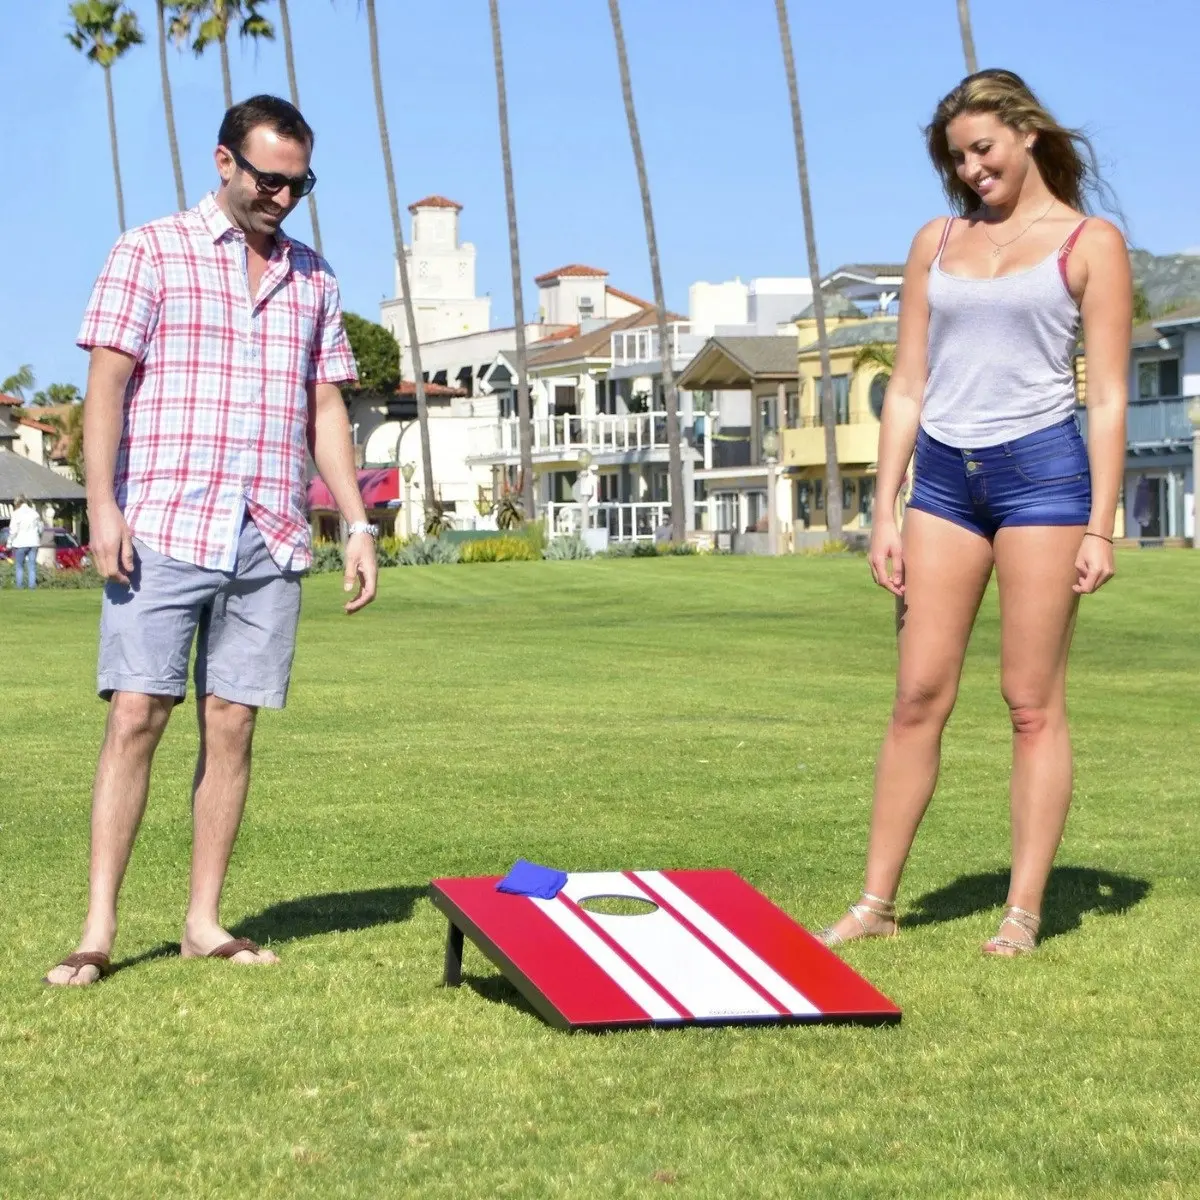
[{"x": 858, "y": 403}]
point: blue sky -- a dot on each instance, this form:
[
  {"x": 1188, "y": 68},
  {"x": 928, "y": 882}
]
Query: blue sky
[{"x": 712, "y": 102}]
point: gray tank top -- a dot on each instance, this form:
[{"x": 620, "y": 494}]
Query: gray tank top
[{"x": 1000, "y": 352}]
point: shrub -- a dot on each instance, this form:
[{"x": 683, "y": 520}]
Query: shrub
[
  {"x": 437, "y": 519},
  {"x": 387, "y": 551},
  {"x": 620, "y": 549},
  {"x": 327, "y": 556},
  {"x": 423, "y": 552},
  {"x": 509, "y": 513},
  {"x": 61, "y": 578},
  {"x": 499, "y": 549},
  {"x": 562, "y": 548}
]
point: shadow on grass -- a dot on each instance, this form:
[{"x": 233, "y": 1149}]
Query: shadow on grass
[
  {"x": 498, "y": 990},
  {"x": 309, "y": 916},
  {"x": 1071, "y": 892}
]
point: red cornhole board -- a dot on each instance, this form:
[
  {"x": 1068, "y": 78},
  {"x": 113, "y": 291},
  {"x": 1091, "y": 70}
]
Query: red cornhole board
[{"x": 714, "y": 952}]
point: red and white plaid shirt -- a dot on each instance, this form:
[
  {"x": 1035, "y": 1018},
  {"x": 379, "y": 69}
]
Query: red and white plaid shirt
[{"x": 216, "y": 412}]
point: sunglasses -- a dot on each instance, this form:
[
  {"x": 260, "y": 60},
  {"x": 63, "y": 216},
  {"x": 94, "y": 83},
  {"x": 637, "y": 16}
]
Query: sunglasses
[{"x": 271, "y": 182}]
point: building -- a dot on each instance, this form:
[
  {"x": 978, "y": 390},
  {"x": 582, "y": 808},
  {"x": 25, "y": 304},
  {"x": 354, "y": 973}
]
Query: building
[{"x": 25, "y": 447}]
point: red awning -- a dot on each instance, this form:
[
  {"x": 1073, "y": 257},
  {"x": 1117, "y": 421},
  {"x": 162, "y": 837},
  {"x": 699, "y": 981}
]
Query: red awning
[{"x": 380, "y": 486}]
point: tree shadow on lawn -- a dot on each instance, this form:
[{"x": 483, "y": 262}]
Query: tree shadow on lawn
[
  {"x": 1071, "y": 892},
  {"x": 310, "y": 916}
]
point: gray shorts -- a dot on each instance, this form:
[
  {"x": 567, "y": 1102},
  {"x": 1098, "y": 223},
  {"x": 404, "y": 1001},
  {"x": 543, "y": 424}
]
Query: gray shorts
[{"x": 243, "y": 623}]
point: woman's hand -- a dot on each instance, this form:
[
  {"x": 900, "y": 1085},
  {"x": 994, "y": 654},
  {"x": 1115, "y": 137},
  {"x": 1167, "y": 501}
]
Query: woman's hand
[
  {"x": 1094, "y": 563},
  {"x": 886, "y": 556}
]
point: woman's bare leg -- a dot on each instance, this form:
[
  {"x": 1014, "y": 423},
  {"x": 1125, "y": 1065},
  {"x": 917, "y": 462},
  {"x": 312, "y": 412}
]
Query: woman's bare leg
[{"x": 946, "y": 570}]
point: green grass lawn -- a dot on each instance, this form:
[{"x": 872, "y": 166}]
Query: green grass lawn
[{"x": 608, "y": 714}]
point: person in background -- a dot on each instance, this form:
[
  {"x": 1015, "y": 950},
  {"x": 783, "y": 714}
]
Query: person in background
[{"x": 24, "y": 537}]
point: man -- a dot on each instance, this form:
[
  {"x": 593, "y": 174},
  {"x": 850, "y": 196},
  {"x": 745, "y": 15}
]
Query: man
[
  {"x": 216, "y": 350},
  {"x": 24, "y": 538}
]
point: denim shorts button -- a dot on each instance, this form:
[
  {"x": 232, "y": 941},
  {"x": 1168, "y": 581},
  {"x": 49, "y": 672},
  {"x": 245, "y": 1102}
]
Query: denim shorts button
[{"x": 972, "y": 466}]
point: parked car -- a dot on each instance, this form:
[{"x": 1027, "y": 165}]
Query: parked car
[{"x": 68, "y": 553}]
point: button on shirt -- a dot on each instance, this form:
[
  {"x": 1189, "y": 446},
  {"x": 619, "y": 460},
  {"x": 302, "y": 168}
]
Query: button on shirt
[{"x": 216, "y": 416}]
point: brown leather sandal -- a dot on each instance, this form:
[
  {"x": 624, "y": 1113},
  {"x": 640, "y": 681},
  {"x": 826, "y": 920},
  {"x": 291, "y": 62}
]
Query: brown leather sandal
[
  {"x": 82, "y": 958},
  {"x": 234, "y": 946}
]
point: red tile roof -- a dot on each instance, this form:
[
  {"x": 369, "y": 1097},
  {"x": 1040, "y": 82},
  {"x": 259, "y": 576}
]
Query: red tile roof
[
  {"x": 620, "y": 295},
  {"x": 8, "y": 399},
  {"x": 562, "y": 335},
  {"x": 435, "y": 202},
  {"x": 572, "y": 269},
  {"x": 436, "y": 391},
  {"x": 42, "y": 425}
]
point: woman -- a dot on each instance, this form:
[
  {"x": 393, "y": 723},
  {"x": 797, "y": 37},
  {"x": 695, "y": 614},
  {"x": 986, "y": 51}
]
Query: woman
[
  {"x": 24, "y": 537},
  {"x": 994, "y": 299}
]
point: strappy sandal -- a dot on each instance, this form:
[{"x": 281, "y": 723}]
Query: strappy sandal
[
  {"x": 885, "y": 912},
  {"x": 1022, "y": 919}
]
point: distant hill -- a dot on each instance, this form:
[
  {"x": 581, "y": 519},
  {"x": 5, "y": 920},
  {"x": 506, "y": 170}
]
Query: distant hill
[{"x": 1168, "y": 280}]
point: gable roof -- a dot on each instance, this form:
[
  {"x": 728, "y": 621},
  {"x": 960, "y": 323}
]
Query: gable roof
[
  {"x": 435, "y": 202},
  {"x": 731, "y": 362},
  {"x": 21, "y": 477},
  {"x": 596, "y": 343},
  {"x": 1189, "y": 314},
  {"x": 572, "y": 270}
]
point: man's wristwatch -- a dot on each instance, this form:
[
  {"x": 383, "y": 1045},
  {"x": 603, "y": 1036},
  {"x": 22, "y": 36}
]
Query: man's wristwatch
[{"x": 362, "y": 527}]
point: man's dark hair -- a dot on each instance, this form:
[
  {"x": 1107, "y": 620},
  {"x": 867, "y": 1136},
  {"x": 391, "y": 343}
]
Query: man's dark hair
[{"x": 273, "y": 111}]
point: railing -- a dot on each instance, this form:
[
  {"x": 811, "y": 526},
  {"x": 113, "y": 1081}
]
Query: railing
[
  {"x": 642, "y": 345},
  {"x": 599, "y": 434},
  {"x": 1160, "y": 422},
  {"x": 624, "y": 522}
]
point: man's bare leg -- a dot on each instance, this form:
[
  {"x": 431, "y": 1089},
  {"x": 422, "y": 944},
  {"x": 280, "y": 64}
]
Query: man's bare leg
[
  {"x": 218, "y": 799},
  {"x": 135, "y": 725}
]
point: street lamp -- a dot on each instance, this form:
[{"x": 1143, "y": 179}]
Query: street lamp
[
  {"x": 1194, "y": 417},
  {"x": 408, "y": 471},
  {"x": 770, "y": 449},
  {"x": 585, "y": 490}
]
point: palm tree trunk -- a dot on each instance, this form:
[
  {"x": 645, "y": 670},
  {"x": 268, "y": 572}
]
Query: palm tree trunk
[
  {"x": 398, "y": 237},
  {"x": 524, "y": 422},
  {"x": 112, "y": 133},
  {"x": 964, "y": 28},
  {"x": 169, "y": 106},
  {"x": 833, "y": 474},
  {"x": 285, "y": 21},
  {"x": 225, "y": 77},
  {"x": 675, "y": 458}
]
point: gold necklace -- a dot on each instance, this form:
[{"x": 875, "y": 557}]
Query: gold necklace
[{"x": 1000, "y": 245}]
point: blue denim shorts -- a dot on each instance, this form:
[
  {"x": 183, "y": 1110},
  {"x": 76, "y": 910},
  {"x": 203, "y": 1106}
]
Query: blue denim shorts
[{"x": 1039, "y": 479}]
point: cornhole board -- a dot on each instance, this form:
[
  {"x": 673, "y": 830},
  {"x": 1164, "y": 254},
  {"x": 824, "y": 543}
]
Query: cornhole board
[{"x": 714, "y": 951}]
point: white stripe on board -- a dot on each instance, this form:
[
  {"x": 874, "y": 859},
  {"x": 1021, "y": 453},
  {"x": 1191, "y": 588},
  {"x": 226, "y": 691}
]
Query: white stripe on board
[
  {"x": 729, "y": 943},
  {"x": 669, "y": 952},
  {"x": 609, "y": 961}
]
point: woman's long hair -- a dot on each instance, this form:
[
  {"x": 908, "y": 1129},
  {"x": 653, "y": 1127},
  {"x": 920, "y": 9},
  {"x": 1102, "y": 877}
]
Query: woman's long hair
[{"x": 1065, "y": 157}]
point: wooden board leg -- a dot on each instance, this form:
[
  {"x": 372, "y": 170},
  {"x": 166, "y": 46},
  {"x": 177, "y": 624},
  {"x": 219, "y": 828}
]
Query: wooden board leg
[{"x": 452, "y": 973}]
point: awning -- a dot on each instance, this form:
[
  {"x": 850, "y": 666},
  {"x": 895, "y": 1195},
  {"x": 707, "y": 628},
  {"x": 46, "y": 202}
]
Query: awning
[{"x": 380, "y": 487}]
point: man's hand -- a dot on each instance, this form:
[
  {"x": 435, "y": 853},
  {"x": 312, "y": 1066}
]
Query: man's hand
[
  {"x": 360, "y": 567},
  {"x": 111, "y": 543}
]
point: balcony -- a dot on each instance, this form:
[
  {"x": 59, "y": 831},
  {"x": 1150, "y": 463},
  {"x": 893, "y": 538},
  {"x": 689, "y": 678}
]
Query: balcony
[
  {"x": 632, "y": 522},
  {"x": 1159, "y": 423},
  {"x": 634, "y": 347},
  {"x": 857, "y": 442},
  {"x": 564, "y": 436}
]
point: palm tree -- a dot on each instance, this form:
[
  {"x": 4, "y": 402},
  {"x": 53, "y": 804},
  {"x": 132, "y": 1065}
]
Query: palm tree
[
  {"x": 879, "y": 355},
  {"x": 833, "y": 474},
  {"x": 168, "y": 104},
  {"x": 675, "y": 465},
  {"x": 510, "y": 202},
  {"x": 431, "y": 506},
  {"x": 964, "y": 28},
  {"x": 285, "y": 21},
  {"x": 19, "y": 382},
  {"x": 211, "y": 21},
  {"x": 104, "y": 31}
]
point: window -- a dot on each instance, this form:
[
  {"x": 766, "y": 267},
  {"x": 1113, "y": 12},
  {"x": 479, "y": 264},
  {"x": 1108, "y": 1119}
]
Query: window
[
  {"x": 793, "y": 410},
  {"x": 564, "y": 398},
  {"x": 841, "y": 400},
  {"x": 877, "y": 393},
  {"x": 866, "y": 497},
  {"x": 819, "y": 494},
  {"x": 847, "y": 495},
  {"x": 726, "y": 507},
  {"x": 1160, "y": 378}
]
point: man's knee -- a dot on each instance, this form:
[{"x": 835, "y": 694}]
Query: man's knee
[
  {"x": 228, "y": 724},
  {"x": 136, "y": 718}
]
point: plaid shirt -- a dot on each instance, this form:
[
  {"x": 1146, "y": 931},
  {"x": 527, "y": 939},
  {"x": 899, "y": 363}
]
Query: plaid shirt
[{"x": 216, "y": 411}]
